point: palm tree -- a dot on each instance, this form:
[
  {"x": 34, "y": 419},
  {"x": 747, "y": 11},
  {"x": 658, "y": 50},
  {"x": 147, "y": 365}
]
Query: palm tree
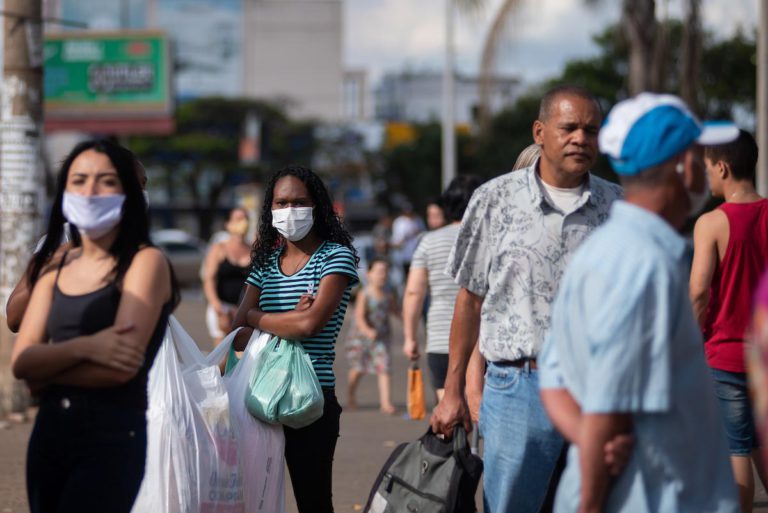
[
  {"x": 690, "y": 62},
  {"x": 488, "y": 60},
  {"x": 647, "y": 40}
]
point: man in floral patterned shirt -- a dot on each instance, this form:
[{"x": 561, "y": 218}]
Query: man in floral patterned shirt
[{"x": 515, "y": 241}]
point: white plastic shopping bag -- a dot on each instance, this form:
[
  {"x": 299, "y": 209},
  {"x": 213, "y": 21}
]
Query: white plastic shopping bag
[
  {"x": 193, "y": 462},
  {"x": 261, "y": 445}
]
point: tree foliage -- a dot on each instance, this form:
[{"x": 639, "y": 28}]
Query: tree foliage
[
  {"x": 202, "y": 156},
  {"x": 726, "y": 87}
]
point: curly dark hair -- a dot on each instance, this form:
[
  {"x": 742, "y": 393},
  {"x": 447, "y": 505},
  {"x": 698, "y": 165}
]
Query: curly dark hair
[{"x": 327, "y": 225}]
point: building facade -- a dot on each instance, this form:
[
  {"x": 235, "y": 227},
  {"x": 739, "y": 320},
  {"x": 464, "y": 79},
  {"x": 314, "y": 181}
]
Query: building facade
[
  {"x": 288, "y": 51},
  {"x": 417, "y": 97}
]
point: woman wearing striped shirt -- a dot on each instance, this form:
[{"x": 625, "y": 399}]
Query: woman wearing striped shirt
[{"x": 303, "y": 269}]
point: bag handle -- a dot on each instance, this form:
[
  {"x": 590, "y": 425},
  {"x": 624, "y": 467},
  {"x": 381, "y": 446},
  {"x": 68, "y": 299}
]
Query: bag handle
[
  {"x": 460, "y": 452},
  {"x": 186, "y": 349},
  {"x": 459, "y": 439},
  {"x": 215, "y": 356}
]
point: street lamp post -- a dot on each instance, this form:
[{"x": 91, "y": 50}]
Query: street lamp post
[{"x": 448, "y": 122}]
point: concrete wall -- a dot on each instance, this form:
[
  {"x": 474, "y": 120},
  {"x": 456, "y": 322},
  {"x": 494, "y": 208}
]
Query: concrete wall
[{"x": 293, "y": 51}]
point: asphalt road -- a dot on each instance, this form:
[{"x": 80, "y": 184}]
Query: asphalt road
[{"x": 367, "y": 436}]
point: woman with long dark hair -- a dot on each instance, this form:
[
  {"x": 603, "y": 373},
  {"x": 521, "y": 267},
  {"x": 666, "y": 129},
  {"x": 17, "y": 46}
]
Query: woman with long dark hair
[
  {"x": 103, "y": 309},
  {"x": 303, "y": 270}
]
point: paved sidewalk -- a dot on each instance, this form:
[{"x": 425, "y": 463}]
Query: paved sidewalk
[{"x": 367, "y": 436}]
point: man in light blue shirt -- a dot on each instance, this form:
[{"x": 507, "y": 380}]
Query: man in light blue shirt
[{"x": 624, "y": 353}]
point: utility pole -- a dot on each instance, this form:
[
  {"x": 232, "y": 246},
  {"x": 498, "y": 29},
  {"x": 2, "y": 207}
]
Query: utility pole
[
  {"x": 448, "y": 122},
  {"x": 22, "y": 190},
  {"x": 762, "y": 99}
]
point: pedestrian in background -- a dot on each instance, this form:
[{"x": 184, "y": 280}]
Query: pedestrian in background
[
  {"x": 624, "y": 353},
  {"x": 427, "y": 276},
  {"x": 369, "y": 344},
  {"x": 104, "y": 309},
  {"x": 514, "y": 243},
  {"x": 226, "y": 268},
  {"x": 303, "y": 270},
  {"x": 382, "y": 235},
  {"x": 730, "y": 255},
  {"x": 435, "y": 214},
  {"x": 406, "y": 230}
]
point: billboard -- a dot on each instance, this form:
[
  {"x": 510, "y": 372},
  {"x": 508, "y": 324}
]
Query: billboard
[{"x": 109, "y": 82}]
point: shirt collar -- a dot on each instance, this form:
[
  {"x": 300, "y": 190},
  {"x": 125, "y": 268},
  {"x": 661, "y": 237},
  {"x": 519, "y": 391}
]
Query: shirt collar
[
  {"x": 537, "y": 195},
  {"x": 652, "y": 225}
]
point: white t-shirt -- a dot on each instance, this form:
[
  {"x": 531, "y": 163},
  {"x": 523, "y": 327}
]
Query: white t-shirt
[
  {"x": 406, "y": 231},
  {"x": 566, "y": 199}
]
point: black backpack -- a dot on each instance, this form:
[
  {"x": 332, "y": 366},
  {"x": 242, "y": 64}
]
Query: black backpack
[{"x": 429, "y": 475}]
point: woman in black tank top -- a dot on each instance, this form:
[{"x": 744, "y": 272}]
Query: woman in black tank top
[
  {"x": 226, "y": 268},
  {"x": 89, "y": 337}
]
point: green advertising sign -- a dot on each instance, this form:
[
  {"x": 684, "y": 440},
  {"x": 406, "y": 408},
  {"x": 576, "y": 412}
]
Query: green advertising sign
[{"x": 121, "y": 73}]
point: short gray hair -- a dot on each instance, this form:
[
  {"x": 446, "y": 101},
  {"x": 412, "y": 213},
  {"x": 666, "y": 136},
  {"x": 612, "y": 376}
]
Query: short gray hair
[{"x": 555, "y": 93}]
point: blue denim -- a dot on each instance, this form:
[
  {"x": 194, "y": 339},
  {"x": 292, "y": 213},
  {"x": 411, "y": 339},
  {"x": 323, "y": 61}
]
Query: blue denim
[
  {"x": 521, "y": 446},
  {"x": 733, "y": 396}
]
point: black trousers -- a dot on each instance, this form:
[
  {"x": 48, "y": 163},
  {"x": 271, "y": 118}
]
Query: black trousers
[
  {"x": 85, "y": 456},
  {"x": 309, "y": 455}
]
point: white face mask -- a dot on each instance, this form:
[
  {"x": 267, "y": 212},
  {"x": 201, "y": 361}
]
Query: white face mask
[
  {"x": 698, "y": 199},
  {"x": 94, "y": 216},
  {"x": 293, "y": 223}
]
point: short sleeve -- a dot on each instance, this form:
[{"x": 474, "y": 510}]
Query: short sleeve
[
  {"x": 630, "y": 335},
  {"x": 254, "y": 278},
  {"x": 421, "y": 255},
  {"x": 470, "y": 258},
  {"x": 340, "y": 260},
  {"x": 550, "y": 375}
]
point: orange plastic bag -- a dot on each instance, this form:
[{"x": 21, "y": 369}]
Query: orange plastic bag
[{"x": 416, "y": 407}]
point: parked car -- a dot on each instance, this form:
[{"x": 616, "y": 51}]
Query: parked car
[{"x": 185, "y": 252}]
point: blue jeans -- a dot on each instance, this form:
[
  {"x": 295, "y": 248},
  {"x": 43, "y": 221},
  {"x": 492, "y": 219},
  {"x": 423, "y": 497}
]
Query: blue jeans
[
  {"x": 733, "y": 397},
  {"x": 521, "y": 447}
]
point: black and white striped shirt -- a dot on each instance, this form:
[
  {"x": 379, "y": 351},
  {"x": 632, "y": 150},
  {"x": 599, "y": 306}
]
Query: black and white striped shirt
[{"x": 432, "y": 254}]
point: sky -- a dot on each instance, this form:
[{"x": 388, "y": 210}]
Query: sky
[{"x": 541, "y": 37}]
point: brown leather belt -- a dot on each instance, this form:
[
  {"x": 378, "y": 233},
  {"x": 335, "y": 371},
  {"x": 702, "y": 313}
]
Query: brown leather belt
[{"x": 519, "y": 363}]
